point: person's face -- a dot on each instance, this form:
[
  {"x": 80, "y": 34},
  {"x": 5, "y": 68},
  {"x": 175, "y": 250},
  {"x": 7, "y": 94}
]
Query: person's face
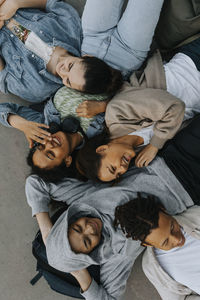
[
  {"x": 54, "y": 152},
  {"x": 71, "y": 70},
  {"x": 168, "y": 235},
  {"x": 115, "y": 160},
  {"x": 85, "y": 234}
]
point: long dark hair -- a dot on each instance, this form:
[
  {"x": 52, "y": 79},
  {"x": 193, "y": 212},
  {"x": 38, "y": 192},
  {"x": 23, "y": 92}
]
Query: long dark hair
[
  {"x": 100, "y": 78},
  {"x": 88, "y": 160}
]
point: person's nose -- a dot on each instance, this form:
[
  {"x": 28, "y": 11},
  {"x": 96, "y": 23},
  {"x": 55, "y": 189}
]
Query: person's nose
[
  {"x": 120, "y": 170},
  {"x": 49, "y": 145},
  {"x": 175, "y": 239},
  {"x": 89, "y": 229}
]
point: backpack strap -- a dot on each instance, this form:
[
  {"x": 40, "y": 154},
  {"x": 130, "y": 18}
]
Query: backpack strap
[{"x": 35, "y": 279}]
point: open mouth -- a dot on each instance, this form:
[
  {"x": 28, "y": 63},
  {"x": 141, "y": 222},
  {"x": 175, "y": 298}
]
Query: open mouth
[
  {"x": 126, "y": 159},
  {"x": 95, "y": 227},
  {"x": 56, "y": 141}
]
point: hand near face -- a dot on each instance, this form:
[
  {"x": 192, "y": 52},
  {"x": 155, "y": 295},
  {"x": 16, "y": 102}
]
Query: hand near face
[
  {"x": 145, "y": 156},
  {"x": 8, "y": 9},
  {"x": 33, "y": 131},
  {"x": 91, "y": 108},
  {"x": 83, "y": 277}
]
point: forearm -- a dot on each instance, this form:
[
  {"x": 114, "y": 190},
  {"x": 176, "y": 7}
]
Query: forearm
[
  {"x": 31, "y": 3},
  {"x": 16, "y": 121},
  {"x": 98, "y": 292},
  {"x": 45, "y": 224},
  {"x": 84, "y": 279}
]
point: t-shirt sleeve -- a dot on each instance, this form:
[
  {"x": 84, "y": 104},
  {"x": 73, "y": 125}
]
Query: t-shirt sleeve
[{"x": 37, "y": 194}]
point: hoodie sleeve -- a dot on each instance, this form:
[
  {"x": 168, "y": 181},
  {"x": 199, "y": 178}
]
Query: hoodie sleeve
[
  {"x": 133, "y": 110},
  {"x": 114, "y": 275}
]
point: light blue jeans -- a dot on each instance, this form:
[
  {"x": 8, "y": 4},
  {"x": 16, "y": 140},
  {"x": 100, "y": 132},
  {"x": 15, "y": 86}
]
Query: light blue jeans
[{"x": 121, "y": 40}]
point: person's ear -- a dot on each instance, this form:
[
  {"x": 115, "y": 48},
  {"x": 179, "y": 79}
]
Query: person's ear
[
  {"x": 68, "y": 161},
  {"x": 101, "y": 149}
]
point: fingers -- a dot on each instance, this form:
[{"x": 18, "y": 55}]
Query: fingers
[
  {"x": 1, "y": 24},
  {"x": 31, "y": 143},
  {"x": 43, "y": 132},
  {"x": 42, "y": 125},
  {"x": 139, "y": 161},
  {"x": 143, "y": 159}
]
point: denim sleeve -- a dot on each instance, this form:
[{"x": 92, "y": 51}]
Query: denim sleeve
[
  {"x": 23, "y": 111},
  {"x": 61, "y": 8}
]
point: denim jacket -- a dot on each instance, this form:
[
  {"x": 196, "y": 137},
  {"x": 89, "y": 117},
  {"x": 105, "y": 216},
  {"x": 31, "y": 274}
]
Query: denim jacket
[
  {"x": 50, "y": 114},
  {"x": 25, "y": 73}
]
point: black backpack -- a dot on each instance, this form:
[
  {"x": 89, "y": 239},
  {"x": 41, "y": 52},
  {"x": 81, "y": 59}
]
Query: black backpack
[{"x": 63, "y": 283}]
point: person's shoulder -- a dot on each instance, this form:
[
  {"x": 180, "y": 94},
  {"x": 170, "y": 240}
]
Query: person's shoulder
[{"x": 33, "y": 181}]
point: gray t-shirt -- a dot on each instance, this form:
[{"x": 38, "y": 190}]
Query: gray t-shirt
[{"x": 156, "y": 179}]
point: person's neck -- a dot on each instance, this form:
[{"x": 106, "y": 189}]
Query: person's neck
[
  {"x": 57, "y": 55},
  {"x": 133, "y": 140}
]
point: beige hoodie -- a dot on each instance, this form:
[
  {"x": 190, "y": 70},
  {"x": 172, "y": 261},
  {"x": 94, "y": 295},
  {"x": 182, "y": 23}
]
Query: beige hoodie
[{"x": 145, "y": 101}]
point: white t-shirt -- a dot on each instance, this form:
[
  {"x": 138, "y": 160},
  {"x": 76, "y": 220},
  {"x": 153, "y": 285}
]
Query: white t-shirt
[
  {"x": 182, "y": 263},
  {"x": 183, "y": 81}
]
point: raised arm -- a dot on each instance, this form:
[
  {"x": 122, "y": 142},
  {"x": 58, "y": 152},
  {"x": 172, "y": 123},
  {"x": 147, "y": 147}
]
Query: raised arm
[
  {"x": 8, "y": 8},
  {"x": 113, "y": 275},
  {"x": 25, "y": 119},
  {"x": 134, "y": 109},
  {"x": 33, "y": 131},
  {"x": 45, "y": 224}
]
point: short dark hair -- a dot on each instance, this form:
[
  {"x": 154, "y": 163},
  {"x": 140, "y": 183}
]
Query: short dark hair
[
  {"x": 138, "y": 217},
  {"x": 55, "y": 174},
  {"x": 88, "y": 160},
  {"x": 100, "y": 78}
]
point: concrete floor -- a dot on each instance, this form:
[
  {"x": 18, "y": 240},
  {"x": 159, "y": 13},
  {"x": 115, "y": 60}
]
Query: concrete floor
[{"x": 17, "y": 230}]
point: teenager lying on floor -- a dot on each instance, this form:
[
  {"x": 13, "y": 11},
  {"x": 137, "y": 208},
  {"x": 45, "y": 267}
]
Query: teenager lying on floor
[
  {"x": 172, "y": 258},
  {"x": 85, "y": 236},
  {"x": 146, "y": 113},
  {"x": 173, "y": 178}
]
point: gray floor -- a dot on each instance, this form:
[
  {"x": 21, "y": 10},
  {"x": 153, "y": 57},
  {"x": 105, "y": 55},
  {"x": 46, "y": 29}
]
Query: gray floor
[{"x": 17, "y": 265}]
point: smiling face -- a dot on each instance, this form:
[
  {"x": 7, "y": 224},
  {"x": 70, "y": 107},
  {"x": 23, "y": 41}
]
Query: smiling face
[
  {"x": 115, "y": 160},
  {"x": 54, "y": 152},
  {"x": 168, "y": 235},
  {"x": 85, "y": 234},
  {"x": 72, "y": 71}
]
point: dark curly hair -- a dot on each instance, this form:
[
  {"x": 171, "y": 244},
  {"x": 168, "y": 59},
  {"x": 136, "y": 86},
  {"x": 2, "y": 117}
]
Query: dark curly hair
[
  {"x": 100, "y": 78},
  {"x": 55, "y": 174},
  {"x": 138, "y": 217},
  {"x": 88, "y": 160}
]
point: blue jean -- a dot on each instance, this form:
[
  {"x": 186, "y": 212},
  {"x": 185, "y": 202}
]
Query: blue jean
[{"x": 121, "y": 41}]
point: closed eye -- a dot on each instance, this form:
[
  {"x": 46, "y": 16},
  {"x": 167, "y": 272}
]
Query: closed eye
[
  {"x": 87, "y": 242},
  {"x": 172, "y": 227},
  {"x": 112, "y": 169},
  {"x": 50, "y": 155},
  {"x": 77, "y": 228},
  {"x": 68, "y": 82},
  {"x": 70, "y": 66}
]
